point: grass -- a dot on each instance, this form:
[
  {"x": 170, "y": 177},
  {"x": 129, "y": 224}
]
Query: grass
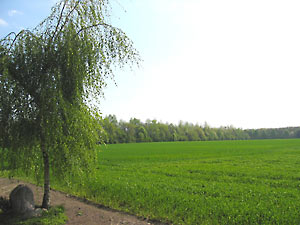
[
  {"x": 225, "y": 182},
  {"x": 55, "y": 216},
  {"x": 222, "y": 182}
]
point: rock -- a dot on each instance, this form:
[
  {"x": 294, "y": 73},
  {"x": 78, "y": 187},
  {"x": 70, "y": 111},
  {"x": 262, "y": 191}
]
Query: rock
[{"x": 22, "y": 201}]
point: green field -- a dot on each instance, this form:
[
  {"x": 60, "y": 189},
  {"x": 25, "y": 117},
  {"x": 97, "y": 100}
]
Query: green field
[{"x": 222, "y": 182}]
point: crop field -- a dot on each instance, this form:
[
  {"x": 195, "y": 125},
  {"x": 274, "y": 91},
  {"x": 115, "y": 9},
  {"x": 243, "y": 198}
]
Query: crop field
[
  {"x": 218, "y": 182},
  {"x": 222, "y": 182}
]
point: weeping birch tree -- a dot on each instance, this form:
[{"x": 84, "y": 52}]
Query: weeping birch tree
[{"x": 51, "y": 79}]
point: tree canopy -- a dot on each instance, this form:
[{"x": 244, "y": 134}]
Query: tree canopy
[
  {"x": 119, "y": 131},
  {"x": 51, "y": 78}
]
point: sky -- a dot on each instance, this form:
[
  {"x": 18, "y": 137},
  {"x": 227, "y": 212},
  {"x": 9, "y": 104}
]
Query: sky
[{"x": 232, "y": 62}]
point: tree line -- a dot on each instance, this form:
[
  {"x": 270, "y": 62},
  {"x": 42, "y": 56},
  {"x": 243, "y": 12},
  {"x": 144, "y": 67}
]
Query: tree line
[{"x": 153, "y": 131}]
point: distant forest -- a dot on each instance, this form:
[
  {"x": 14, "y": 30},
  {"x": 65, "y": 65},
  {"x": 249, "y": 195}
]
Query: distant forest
[{"x": 153, "y": 131}]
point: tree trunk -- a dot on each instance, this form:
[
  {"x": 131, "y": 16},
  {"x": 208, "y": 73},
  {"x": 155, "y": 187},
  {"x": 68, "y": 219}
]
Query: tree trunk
[{"x": 46, "y": 198}]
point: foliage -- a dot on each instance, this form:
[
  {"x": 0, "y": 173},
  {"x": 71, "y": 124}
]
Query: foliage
[
  {"x": 152, "y": 131},
  {"x": 54, "y": 216},
  {"x": 49, "y": 79},
  {"x": 274, "y": 133}
]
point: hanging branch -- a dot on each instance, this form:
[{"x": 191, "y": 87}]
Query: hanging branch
[
  {"x": 16, "y": 37},
  {"x": 59, "y": 19},
  {"x": 67, "y": 18},
  {"x": 94, "y": 25}
]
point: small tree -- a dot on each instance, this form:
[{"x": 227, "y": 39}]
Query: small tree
[{"x": 49, "y": 79}]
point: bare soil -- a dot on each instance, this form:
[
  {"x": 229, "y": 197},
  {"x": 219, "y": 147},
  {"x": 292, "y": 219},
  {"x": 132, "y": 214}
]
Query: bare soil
[{"x": 79, "y": 211}]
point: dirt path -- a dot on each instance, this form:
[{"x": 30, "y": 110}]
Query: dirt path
[{"x": 78, "y": 212}]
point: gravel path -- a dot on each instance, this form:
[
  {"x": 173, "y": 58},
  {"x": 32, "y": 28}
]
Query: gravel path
[{"x": 78, "y": 212}]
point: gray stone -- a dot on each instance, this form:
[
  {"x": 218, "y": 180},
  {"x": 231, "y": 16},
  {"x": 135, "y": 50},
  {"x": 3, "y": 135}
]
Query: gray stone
[{"x": 22, "y": 201}]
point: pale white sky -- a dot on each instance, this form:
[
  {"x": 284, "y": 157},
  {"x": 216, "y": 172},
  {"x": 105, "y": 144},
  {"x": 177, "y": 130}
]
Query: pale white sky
[{"x": 230, "y": 62}]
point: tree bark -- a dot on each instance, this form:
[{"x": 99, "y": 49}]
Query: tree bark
[{"x": 46, "y": 198}]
